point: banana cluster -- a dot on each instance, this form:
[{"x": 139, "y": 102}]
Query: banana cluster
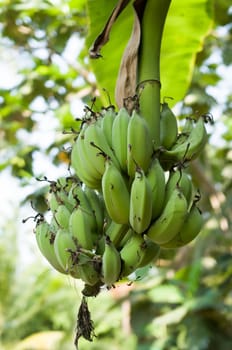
[{"x": 126, "y": 200}]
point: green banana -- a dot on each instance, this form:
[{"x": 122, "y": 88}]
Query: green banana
[
  {"x": 111, "y": 263},
  {"x": 84, "y": 198},
  {"x": 140, "y": 145},
  {"x": 119, "y": 137},
  {"x": 116, "y": 232},
  {"x": 82, "y": 227},
  {"x": 63, "y": 245},
  {"x": 168, "y": 127},
  {"x": 149, "y": 254},
  {"x": 53, "y": 201},
  {"x": 183, "y": 181},
  {"x": 115, "y": 193},
  {"x": 62, "y": 216},
  {"x": 185, "y": 131},
  {"x": 171, "y": 219},
  {"x": 100, "y": 245},
  {"x": 127, "y": 235},
  {"x": 45, "y": 241},
  {"x": 82, "y": 165},
  {"x": 189, "y": 230},
  {"x": 79, "y": 195},
  {"x": 131, "y": 254},
  {"x": 156, "y": 180},
  {"x": 107, "y": 124},
  {"x": 97, "y": 206},
  {"x": 193, "y": 145},
  {"x": 65, "y": 200},
  {"x": 78, "y": 258},
  {"x": 97, "y": 148},
  {"x": 90, "y": 273},
  {"x": 170, "y": 162},
  {"x": 140, "y": 202},
  {"x": 54, "y": 226}
]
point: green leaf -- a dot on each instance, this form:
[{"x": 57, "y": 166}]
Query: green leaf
[{"x": 186, "y": 26}]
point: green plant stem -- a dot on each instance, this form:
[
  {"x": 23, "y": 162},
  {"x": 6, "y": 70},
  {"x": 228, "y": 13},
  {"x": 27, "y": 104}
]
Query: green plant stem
[{"x": 153, "y": 20}]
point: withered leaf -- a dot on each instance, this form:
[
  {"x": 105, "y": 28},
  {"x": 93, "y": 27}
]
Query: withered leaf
[
  {"x": 127, "y": 76},
  {"x": 103, "y": 37}
]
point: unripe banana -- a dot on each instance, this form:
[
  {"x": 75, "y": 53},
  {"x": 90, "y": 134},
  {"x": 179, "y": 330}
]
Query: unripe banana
[
  {"x": 168, "y": 127},
  {"x": 116, "y": 232},
  {"x": 149, "y": 254},
  {"x": 82, "y": 165},
  {"x": 97, "y": 205},
  {"x": 64, "y": 198},
  {"x": 82, "y": 197},
  {"x": 127, "y": 236},
  {"x": 90, "y": 272},
  {"x": 82, "y": 226},
  {"x": 115, "y": 193},
  {"x": 140, "y": 145},
  {"x": 192, "y": 225},
  {"x": 193, "y": 145},
  {"x": 185, "y": 132},
  {"x": 54, "y": 226},
  {"x": 78, "y": 193},
  {"x": 95, "y": 143},
  {"x": 182, "y": 180},
  {"x": 140, "y": 202},
  {"x": 100, "y": 245},
  {"x": 62, "y": 216},
  {"x": 107, "y": 124},
  {"x": 63, "y": 245},
  {"x": 171, "y": 220},
  {"x": 169, "y": 162},
  {"x": 79, "y": 258},
  {"x": 111, "y": 263},
  {"x": 131, "y": 254},
  {"x": 156, "y": 180},
  {"x": 53, "y": 202},
  {"x": 119, "y": 137},
  {"x": 189, "y": 230},
  {"x": 45, "y": 240}
]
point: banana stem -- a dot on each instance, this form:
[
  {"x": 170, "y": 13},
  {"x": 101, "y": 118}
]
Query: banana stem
[{"x": 153, "y": 20}]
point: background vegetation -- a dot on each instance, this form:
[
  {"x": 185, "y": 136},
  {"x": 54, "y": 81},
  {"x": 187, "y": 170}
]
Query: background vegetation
[{"x": 185, "y": 300}]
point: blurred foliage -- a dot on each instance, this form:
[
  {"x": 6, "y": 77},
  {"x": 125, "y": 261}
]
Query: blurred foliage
[
  {"x": 182, "y": 303},
  {"x": 33, "y": 39}
]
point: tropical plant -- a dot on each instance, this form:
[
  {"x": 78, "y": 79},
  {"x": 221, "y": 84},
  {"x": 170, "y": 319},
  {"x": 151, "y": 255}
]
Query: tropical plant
[{"x": 184, "y": 300}]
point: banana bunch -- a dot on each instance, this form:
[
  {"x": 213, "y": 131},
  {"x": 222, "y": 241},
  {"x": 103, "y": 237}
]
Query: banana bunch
[{"x": 127, "y": 199}]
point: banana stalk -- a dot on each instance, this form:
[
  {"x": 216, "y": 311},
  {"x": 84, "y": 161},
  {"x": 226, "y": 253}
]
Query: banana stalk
[{"x": 153, "y": 20}]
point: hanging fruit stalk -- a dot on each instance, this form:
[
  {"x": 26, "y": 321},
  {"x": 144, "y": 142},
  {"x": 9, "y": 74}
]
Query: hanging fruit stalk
[{"x": 153, "y": 20}]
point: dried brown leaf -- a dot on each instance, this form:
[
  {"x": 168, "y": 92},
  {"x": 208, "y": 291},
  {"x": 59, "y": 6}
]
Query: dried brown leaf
[
  {"x": 127, "y": 76},
  {"x": 103, "y": 37}
]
